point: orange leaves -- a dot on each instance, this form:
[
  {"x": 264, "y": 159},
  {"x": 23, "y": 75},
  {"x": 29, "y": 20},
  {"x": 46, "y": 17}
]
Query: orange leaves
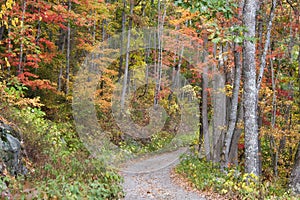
[{"x": 185, "y": 15}]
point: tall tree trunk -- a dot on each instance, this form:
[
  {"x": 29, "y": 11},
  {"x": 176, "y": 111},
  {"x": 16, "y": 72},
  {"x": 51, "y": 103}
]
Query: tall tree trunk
[
  {"x": 204, "y": 102},
  {"x": 234, "y": 106},
  {"x": 160, "y": 27},
  {"x": 219, "y": 107},
  {"x": 262, "y": 68},
  {"x": 20, "y": 70},
  {"x": 9, "y": 43},
  {"x": 61, "y": 47},
  {"x": 68, "y": 50},
  {"x": 122, "y": 39},
  {"x": 233, "y": 152},
  {"x": 219, "y": 112},
  {"x": 267, "y": 44},
  {"x": 250, "y": 91},
  {"x": 124, "y": 87},
  {"x": 273, "y": 146}
]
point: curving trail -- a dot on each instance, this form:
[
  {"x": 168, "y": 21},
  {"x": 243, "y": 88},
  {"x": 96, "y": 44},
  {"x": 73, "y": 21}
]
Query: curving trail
[{"x": 149, "y": 178}]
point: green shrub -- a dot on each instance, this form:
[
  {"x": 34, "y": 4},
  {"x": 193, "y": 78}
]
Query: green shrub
[
  {"x": 233, "y": 184},
  {"x": 60, "y": 167}
]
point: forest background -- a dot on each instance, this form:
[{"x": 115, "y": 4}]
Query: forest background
[{"x": 246, "y": 84}]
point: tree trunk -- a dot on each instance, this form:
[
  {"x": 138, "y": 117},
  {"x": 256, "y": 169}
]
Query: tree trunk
[
  {"x": 295, "y": 175},
  {"x": 9, "y": 43},
  {"x": 273, "y": 146},
  {"x": 250, "y": 91},
  {"x": 267, "y": 43},
  {"x": 1, "y": 32},
  {"x": 68, "y": 51},
  {"x": 122, "y": 39},
  {"x": 20, "y": 70},
  {"x": 233, "y": 152},
  {"x": 234, "y": 107},
  {"x": 124, "y": 87},
  {"x": 219, "y": 108},
  {"x": 160, "y": 27},
  {"x": 219, "y": 115},
  {"x": 204, "y": 116},
  {"x": 61, "y": 47}
]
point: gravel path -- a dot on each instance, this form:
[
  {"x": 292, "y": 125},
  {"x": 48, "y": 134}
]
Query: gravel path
[{"x": 149, "y": 178}]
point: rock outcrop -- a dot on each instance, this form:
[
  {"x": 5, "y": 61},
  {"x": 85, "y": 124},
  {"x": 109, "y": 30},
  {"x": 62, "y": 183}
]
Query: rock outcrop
[{"x": 10, "y": 150}]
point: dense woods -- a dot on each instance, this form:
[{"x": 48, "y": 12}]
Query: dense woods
[{"x": 224, "y": 72}]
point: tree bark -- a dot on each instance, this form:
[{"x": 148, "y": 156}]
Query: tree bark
[
  {"x": 160, "y": 27},
  {"x": 295, "y": 175},
  {"x": 1, "y": 32},
  {"x": 233, "y": 152},
  {"x": 204, "y": 116},
  {"x": 122, "y": 39},
  {"x": 68, "y": 50},
  {"x": 267, "y": 44},
  {"x": 20, "y": 70},
  {"x": 124, "y": 87},
  {"x": 219, "y": 113},
  {"x": 9, "y": 42},
  {"x": 250, "y": 91},
  {"x": 234, "y": 107}
]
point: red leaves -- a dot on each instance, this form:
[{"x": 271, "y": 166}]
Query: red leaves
[
  {"x": 284, "y": 94},
  {"x": 32, "y": 58},
  {"x": 241, "y": 146},
  {"x": 26, "y": 77},
  {"x": 50, "y": 45}
]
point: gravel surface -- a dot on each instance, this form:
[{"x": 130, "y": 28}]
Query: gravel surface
[{"x": 149, "y": 178}]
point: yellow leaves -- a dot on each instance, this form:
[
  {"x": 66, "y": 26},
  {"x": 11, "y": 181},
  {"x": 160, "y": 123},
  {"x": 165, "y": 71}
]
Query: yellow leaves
[
  {"x": 228, "y": 90},
  {"x": 7, "y": 63},
  {"x": 14, "y": 21},
  {"x": 288, "y": 102},
  {"x": 9, "y": 4},
  {"x": 4, "y": 9}
]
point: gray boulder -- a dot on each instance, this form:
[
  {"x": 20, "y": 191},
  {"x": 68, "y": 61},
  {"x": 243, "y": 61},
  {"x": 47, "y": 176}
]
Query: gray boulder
[
  {"x": 10, "y": 150},
  {"x": 295, "y": 175}
]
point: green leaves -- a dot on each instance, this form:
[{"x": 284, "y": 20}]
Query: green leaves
[
  {"x": 209, "y": 8},
  {"x": 206, "y": 176}
]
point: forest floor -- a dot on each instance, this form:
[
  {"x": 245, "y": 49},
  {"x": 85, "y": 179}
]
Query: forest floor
[{"x": 153, "y": 178}]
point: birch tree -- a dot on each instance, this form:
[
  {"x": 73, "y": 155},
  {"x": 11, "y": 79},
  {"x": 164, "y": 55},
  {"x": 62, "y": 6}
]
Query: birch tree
[
  {"x": 250, "y": 91},
  {"x": 160, "y": 28},
  {"x": 124, "y": 87}
]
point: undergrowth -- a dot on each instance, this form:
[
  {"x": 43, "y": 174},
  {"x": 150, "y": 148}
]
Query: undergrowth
[
  {"x": 233, "y": 184},
  {"x": 59, "y": 166}
]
